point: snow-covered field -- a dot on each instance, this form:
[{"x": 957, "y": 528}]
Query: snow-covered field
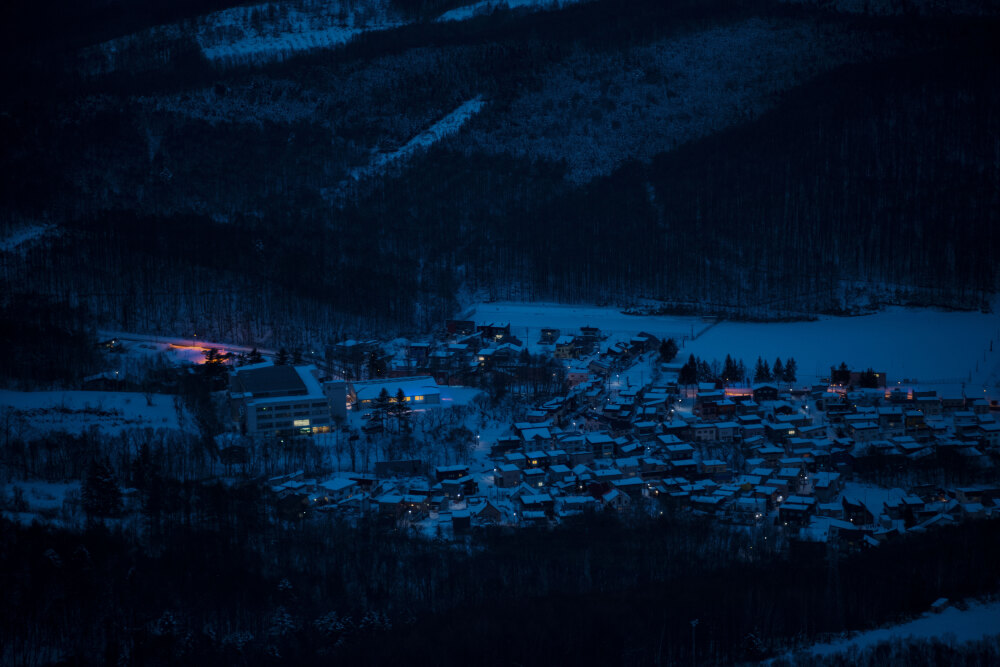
[
  {"x": 267, "y": 32},
  {"x": 78, "y": 411},
  {"x": 528, "y": 319},
  {"x": 895, "y": 8},
  {"x": 41, "y": 499},
  {"x": 487, "y": 6},
  {"x": 24, "y": 236},
  {"x": 255, "y": 34},
  {"x": 934, "y": 347},
  {"x": 253, "y": 45},
  {"x": 977, "y": 621}
]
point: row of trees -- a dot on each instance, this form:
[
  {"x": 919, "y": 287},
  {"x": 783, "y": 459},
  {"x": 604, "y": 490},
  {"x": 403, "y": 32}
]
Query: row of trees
[{"x": 735, "y": 372}]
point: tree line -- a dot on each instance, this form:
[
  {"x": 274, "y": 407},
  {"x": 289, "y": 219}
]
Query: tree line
[{"x": 735, "y": 372}]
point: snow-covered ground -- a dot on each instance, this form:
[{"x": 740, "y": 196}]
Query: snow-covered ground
[
  {"x": 24, "y": 236},
  {"x": 255, "y": 34},
  {"x": 935, "y": 348},
  {"x": 78, "y": 411},
  {"x": 487, "y": 6},
  {"x": 452, "y": 396},
  {"x": 258, "y": 33},
  {"x": 895, "y": 8},
  {"x": 448, "y": 125},
  {"x": 528, "y": 319},
  {"x": 873, "y": 497},
  {"x": 41, "y": 499},
  {"x": 977, "y": 621}
]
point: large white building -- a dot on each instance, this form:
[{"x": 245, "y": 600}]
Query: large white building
[{"x": 282, "y": 400}]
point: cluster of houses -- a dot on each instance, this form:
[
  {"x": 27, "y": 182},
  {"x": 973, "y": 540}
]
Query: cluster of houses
[
  {"x": 764, "y": 455},
  {"x": 466, "y": 349},
  {"x": 760, "y": 455}
]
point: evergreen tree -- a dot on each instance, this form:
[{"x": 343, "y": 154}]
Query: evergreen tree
[
  {"x": 761, "y": 372},
  {"x": 382, "y": 405},
  {"x": 297, "y": 357},
  {"x": 791, "y": 369},
  {"x": 668, "y": 350},
  {"x": 214, "y": 366},
  {"x": 840, "y": 375},
  {"x": 689, "y": 372},
  {"x": 282, "y": 359},
  {"x": 778, "y": 370},
  {"x": 254, "y": 357},
  {"x": 376, "y": 365},
  {"x": 399, "y": 407},
  {"x": 100, "y": 494},
  {"x": 730, "y": 371}
]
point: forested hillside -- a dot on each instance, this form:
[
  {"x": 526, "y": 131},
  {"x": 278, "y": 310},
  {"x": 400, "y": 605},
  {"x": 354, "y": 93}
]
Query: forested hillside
[{"x": 749, "y": 157}]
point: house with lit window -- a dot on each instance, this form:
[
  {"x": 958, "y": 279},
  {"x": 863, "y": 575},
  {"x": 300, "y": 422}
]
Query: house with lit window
[{"x": 418, "y": 391}]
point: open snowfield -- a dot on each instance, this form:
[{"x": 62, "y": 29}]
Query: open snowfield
[
  {"x": 936, "y": 348},
  {"x": 933, "y": 347},
  {"x": 78, "y": 411},
  {"x": 978, "y": 621},
  {"x": 488, "y": 6},
  {"x": 528, "y": 319},
  {"x": 255, "y": 34}
]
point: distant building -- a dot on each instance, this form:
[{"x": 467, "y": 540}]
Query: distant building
[
  {"x": 460, "y": 327},
  {"x": 279, "y": 400},
  {"x": 549, "y": 336}
]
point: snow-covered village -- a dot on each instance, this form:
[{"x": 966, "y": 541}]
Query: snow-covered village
[
  {"x": 500, "y": 332},
  {"x": 489, "y": 423}
]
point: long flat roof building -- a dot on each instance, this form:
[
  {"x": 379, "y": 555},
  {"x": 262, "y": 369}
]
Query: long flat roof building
[
  {"x": 419, "y": 391},
  {"x": 280, "y": 400}
]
